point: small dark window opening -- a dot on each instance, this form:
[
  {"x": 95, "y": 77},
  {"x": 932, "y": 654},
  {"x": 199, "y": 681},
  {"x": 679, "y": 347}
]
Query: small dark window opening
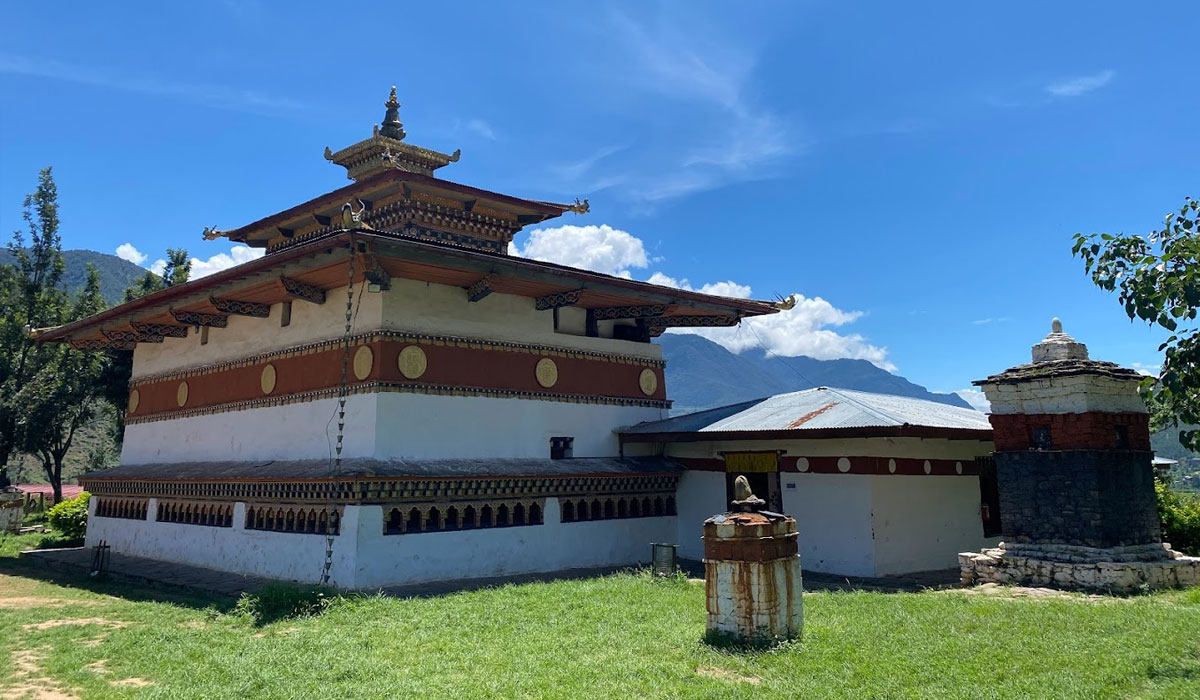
[
  {"x": 1041, "y": 438},
  {"x": 989, "y": 496},
  {"x": 285, "y": 316},
  {"x": 561, "y": 447},
  {"x": 1122, "y": 437},
  {"x": 204, "y": 335}
]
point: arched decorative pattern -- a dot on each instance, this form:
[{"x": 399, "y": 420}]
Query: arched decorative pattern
[
  {"x": 409, "y": 519},
  {"x": 192, "y": 513},
  {"x": 128, "y": 508},
  {"x": 618, "y": 508},
  {"x": 303, "y": 520}
]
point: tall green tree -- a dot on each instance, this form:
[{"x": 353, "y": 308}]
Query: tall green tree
[
  {"x": 30, "y": 297},
  {"x": 63, "y": 394},
  {"x": 1157, "y": 279}
]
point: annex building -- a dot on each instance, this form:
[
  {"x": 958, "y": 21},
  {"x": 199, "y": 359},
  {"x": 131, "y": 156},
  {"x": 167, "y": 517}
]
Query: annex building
[{"x": 388, "y": 397}]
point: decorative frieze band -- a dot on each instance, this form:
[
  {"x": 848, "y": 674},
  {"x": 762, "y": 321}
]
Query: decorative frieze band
[
  {"x": 197, "y": 318},
  {"x": 300, "y": 290},
  {"x": 166, "y": 330},
  {"x": 419, "y": 338},
  {"x": 360, "y": 491},
  {"x": 554, "y": 301},
  {"x": 620, "y": 312},
  {"x": 240, "y": 308}
]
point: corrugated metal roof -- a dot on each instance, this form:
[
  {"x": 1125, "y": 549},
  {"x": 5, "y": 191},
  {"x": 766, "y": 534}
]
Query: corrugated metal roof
[{"x": 818, "y": 408}]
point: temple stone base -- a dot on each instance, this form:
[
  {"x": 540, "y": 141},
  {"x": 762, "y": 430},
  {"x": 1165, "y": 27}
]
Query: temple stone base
[
  {"x": 752, "y": 577},
  {"x": 1117, "y": 570}
]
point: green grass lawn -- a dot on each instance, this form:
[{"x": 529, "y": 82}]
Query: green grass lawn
[{"x": 621, "y": 636}]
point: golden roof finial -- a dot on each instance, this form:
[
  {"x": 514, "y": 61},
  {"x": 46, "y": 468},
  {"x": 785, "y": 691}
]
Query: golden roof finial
[{"x": 392, "y": 102}]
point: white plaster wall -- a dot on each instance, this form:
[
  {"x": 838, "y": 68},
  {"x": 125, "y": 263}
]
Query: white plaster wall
[
  {"x": 385, "y": 560},
  {"x": 439, "y": 309},
  {"x": 291, "y": 431},
  {"x": 419, "y": 426},
  {"x": 1082, "y": 393},
  {"x": 699, "y": 496},
  {"x": 833, "y": 518},
  {"x": 916, "y": 448},
  {"x": 285, "y": 556},
  {"x": 921, "y": 523},
  {"x": 247, "y": 336}
]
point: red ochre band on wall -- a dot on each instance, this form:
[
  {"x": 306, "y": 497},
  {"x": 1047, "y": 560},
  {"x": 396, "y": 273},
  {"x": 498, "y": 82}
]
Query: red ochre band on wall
[
  {"x": 904, "y": 466},
  {"x": 1071, "y": 431},
  {"x": 470, "y": 367}
]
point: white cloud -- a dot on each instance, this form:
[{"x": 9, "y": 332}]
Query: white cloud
[
  {"x": 482, "y": 128},
  {"x": 219, "y": 96},
  {"x": 723, "y": 134},
  {"x": 802, "y": 330},
  {"x": 1074, "y": 87},
  {"x": 126, "y": 251},
  {"x": 597, "y": 248},
  {"x": 976, "y": 398},
  {"x": 1147, "y": 370},
  {"x": 237, "y": 255}
]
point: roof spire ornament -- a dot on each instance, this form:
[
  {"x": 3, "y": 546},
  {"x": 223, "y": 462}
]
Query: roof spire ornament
[
  {"x": 386, "y": 150},
  {"x": 391, "y": 127}
]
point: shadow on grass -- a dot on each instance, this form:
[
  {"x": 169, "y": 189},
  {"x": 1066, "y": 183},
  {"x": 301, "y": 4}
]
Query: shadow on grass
[
  {"x": 285, "y": 601},
  {"x": 133, "y": 591},
  {"x": 728, "y": 643}
]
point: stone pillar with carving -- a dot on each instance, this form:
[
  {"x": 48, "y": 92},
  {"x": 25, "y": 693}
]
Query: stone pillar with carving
[
  {"x": 752, "y": 572},
  {"x": 1073, "y": 470}
]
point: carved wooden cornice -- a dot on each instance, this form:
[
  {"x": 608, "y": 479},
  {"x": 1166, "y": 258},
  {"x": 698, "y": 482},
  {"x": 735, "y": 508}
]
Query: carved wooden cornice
[
  {"x": 301, "y": 290},
  {"x": 240, "y": 308},
  {"x": 560, "y": 299},
  {"x": 480, "y": 289},
  {"x": 656, "y": 326},
  {"x": 620, "y": 312},
  {"x": 103, "y": 344},
  {"x": 131, "y": 336},
  {"x": 166, "y": 330},
  {"x": 197, "y": 318}
]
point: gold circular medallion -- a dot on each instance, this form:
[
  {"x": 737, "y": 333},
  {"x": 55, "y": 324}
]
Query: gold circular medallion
[
  {"x": 181, "y": 394},
  {"x": 364, "y": 360},
  {"x": 412, "y": 362},
  {"x": 546, "y": 372},
  {"x": 267, "y": 379},
  {"x": 135, "y": 397},
  {"x": 648, "y": 381}
]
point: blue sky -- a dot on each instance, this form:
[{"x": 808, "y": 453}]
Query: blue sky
[{"x": 915, "y": 171}]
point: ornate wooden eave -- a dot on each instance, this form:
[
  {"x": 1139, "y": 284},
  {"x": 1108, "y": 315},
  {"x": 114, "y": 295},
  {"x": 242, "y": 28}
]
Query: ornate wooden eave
[
  {"x": 200, "y": 319},
  {"x": 166, "y": 330},
  {"x": 557, "y": 300},
  {"x": 623, "y": 312},
  {"x": 480, "y": 289},
  {"x": 657, "y": 325},
  {"x": 120, "y": 335},
  {"x": 240, "y": 308},
  {"x": 299, "y": 290}
]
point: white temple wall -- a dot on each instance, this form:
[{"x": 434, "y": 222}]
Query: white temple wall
[
  {"x": 443, "y": 310},
  {"x": 915, "y": 448},
  {"x": 290, "y": 431},
  {"x": 699, "y": 496},
  {"x": 419, "y": 426},
  {"x": 385, "y": 560},
  {"x": 833, "y": 517},
  {"x": 921, "y": 523},
  {"x": 248, "y": 336},
  {"x": 286, "y": 556}
]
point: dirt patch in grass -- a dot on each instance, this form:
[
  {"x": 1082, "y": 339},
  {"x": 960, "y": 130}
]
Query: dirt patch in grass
[
  {"x": 31, "y": 601},
  {"x": 99, "y": 668},
  {"x": 132, "y": 683},
  {"x": 27, "y": 680},
  {"x": 725, "y": 674},
  {"x": 1032, "y": 592},
  {"x": 51, "y": 624}
]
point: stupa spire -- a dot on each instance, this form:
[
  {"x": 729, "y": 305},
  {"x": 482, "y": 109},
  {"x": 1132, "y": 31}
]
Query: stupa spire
[{"x": 391, "y": 127}]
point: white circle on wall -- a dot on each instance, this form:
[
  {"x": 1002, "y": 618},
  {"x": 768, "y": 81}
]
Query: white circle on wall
[
  {"x": 843, "y": 464},
  {"x": 958, "y": 467},
  {"x": 928, "y": 467},
  {"x": 891, "y": 466},
  {"x": 802, "y": 464}
]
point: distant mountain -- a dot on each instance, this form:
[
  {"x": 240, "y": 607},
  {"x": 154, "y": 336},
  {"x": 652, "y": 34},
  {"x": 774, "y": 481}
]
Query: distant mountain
[
  {"x": 701, "y": 374},
  {"x": 116, "y": 275}
]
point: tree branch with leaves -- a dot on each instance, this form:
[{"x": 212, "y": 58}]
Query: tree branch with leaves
[{"x": 1157, "y": 280}]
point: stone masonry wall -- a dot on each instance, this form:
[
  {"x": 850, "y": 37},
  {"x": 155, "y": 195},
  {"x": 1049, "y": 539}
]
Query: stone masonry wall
[{"x": 1092, "y": 498}]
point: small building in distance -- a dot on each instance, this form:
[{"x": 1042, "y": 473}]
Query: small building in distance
[{"x": 879, "y": 485}]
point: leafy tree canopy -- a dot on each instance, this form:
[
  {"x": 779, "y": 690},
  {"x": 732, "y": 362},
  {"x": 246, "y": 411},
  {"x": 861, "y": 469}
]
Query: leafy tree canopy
[{"x": 1157, "y": 279}]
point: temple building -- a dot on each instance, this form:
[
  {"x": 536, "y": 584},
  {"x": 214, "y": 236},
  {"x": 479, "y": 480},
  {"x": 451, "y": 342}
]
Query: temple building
[{"x": 388, "y": 397}]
